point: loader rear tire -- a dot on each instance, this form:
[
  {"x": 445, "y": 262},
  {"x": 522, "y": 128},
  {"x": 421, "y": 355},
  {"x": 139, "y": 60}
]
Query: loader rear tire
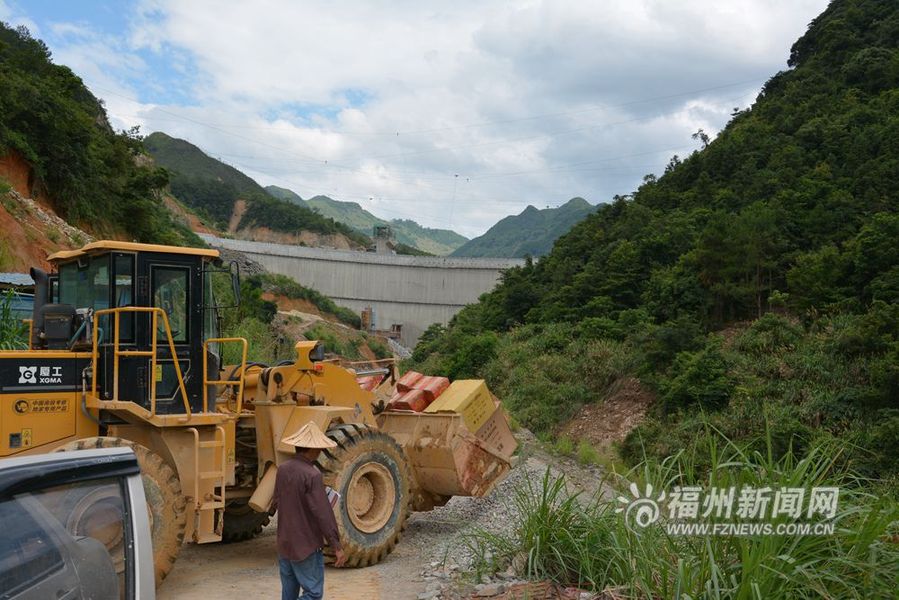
[
  {"x": 242, "y": 522},
  {"x": 165, "y": 503},
  {"x": 371, "y": 473}
]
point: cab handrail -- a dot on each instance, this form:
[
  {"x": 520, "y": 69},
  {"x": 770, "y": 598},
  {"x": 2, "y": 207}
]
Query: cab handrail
[
  {"x": 226, "y": 382},
  {"x": 155, "y": 313}
]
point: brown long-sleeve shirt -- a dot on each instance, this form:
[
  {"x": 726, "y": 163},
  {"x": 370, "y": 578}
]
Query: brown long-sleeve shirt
[{"x": 305, "y": 517}]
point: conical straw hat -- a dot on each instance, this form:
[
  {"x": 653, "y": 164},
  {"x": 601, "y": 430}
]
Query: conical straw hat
[{"x": 309, "y": 436}]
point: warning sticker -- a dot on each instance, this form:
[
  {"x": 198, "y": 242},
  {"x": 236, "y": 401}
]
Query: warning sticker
[{"x": 26, "y": 438}]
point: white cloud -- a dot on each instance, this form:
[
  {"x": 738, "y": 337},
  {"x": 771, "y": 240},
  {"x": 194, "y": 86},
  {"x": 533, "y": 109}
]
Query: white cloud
[
  {"x": 385, "y": 103},
  {"x": 11, "y": 15}
]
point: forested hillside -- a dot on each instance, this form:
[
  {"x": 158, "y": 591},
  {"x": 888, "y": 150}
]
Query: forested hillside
[
  {"x": 753, "y": 286},
  {"x": 88, "y": 173},
  {"x": 212, "y": 188},
  {"x": 530, "y": 233}
]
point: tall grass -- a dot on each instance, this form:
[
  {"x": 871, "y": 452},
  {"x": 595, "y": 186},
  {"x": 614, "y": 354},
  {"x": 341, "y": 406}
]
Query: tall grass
[
  {"x": 582, "y": 541},
  {"x": 13, "y": 331}
]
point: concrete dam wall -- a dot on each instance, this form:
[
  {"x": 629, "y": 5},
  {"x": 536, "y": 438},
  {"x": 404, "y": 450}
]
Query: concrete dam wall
[{"x": 412, "y": 291}]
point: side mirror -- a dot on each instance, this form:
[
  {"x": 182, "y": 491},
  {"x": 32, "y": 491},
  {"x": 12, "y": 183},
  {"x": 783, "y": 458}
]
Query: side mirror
[{"x": 234, "y": 268}]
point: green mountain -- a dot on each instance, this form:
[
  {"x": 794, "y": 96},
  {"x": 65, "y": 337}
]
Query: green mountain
[
  {"x": 752, "y": 288},
  {"x": 531, "y": 233},
  {"x": 349, "y": 213},
  {"x": 87, "y": 171},
  {"x": 285, "y": 194},
  {"x": 433, "y": 241},
  {"x": 210, "y": 187},
  {"x": 406, "y": 231}
]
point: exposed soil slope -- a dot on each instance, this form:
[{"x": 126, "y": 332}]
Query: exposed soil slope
[
  {"x": 608, "y": 421},
  {"x": 29, "y": 230}
]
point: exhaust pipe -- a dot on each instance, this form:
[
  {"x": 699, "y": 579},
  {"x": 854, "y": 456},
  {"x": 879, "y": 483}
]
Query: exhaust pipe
[{"x": 41, "y": 297}]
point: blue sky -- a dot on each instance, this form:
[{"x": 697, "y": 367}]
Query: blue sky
[{"x": 384, "y": 104}]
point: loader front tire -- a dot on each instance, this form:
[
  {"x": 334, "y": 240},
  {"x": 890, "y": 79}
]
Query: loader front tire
[
  {"x": 165, "y": 503},
  {"x": 371, "y": 473}
]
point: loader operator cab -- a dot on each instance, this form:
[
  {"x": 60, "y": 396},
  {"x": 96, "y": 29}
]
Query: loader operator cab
[{"x": 74, "y": 310}]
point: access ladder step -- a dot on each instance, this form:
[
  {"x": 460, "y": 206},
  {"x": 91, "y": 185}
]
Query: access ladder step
[
  {"x": 206, "y": 538},
  {"x": 212, "y": 475},
  {"x": 212, "y": 505},
  {"x": 212, "y": 444}
]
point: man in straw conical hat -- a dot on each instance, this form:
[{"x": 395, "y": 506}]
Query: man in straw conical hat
[{"x": 305, "y": 517}]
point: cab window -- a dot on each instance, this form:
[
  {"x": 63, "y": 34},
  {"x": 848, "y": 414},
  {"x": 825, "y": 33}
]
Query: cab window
[
  {"x": 170, "y": 285},
  {"x": 123, "y": 294},
  {"x": 85, "y": 284}
]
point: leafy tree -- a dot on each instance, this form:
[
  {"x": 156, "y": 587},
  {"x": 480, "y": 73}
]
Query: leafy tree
[{"x": 91, "y": 174}]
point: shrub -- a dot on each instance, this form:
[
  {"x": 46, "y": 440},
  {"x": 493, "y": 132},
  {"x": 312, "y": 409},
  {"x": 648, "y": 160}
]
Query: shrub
[
  {"x": 586, "y": 453},
  {"x": 263, "y": 346},
  {"x": 878, "y": 455},
  {"x": 660, "y": 345},
  {"x": 771, "y": 334},
  {"x": 333, "y": 343},
  {"x": 474, "y": 353},
  {"x": 378, "y": 349},
  {"x": 564, "y": 445},
  {"x": 700, "y": 378}
]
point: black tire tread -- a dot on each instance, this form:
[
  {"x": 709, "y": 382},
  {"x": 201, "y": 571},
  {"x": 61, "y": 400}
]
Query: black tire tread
[
  {"x": 349, "y": 437},
  {"x": 242, "y": 526}
]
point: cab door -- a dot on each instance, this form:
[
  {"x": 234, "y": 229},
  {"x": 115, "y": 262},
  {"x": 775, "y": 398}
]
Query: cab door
[{"x": 172, "y": 283}]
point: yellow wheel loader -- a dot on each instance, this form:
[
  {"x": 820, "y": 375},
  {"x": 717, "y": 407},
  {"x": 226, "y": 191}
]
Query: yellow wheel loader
[{"x": 124, "y": 351}]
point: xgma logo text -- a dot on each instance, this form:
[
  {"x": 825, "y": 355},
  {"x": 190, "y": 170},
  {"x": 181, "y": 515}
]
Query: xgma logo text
[{"x": 35, "y": 374}]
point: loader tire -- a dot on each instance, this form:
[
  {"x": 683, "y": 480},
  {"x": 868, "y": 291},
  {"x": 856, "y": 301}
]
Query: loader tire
[
  {"x": 242, "y": 522},
  {"x": 371, "y": 473},
  {"x": 165, "y": 503}
]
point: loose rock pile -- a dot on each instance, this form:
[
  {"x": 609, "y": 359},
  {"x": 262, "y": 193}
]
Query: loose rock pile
[
  {"x": 248, "y": 267},
  {"x": 450, "y": 562}
]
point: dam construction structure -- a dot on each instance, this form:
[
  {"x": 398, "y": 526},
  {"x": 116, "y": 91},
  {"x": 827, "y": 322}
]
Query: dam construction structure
[{"x": 405, "y": 294}]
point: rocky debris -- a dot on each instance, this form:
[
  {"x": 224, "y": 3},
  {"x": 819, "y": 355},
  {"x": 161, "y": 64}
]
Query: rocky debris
[
  {"x": 456, "y": 588},
  {"x": 489, "y": 590},
  {"x": 50, "y": 221},
  {"x": 248, "y": 266},
  {"x": 398, "y": 349}
]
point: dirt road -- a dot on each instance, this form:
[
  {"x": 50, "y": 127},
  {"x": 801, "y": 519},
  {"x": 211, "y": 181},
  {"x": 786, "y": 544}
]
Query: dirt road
[{"x": 248, "y": 570}]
